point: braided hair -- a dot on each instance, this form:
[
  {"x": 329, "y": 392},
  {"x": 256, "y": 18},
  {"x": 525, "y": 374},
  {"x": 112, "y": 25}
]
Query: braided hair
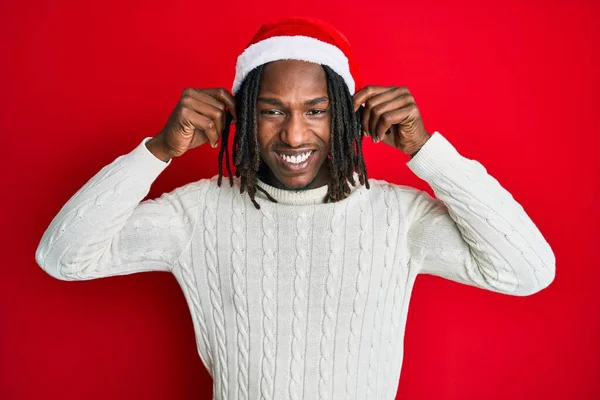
[{"x": 344, "y": 159}]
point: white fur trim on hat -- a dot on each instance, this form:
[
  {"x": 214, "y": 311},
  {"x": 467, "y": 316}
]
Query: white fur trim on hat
[{"x": 292, "y": 48}]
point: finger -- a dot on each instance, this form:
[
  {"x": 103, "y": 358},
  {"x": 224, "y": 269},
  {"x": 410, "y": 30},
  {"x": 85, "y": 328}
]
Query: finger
[
  {"x": 365, "y": 93},
  {"x": 218, "y": 97},
  {"x": 384, "y": 107},
  {"x": 397, "y": 117},
  {"x": 392, "y": 136},
  {"x": 225, "y": 97},
  {"x": 205, "y": 124},
  {"x": 208, "y": 110},
  {"x": 375, "y": 106},
  {"x": 371, "y": 104},
  {"x": 202, "y": 96},
  {"x": 199, "y": 138}
]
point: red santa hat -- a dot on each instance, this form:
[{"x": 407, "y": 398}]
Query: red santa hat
[{"x": 298, "y": 39}]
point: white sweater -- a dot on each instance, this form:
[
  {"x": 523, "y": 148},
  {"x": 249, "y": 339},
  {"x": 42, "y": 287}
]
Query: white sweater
[{"x": 301, "y": 299}]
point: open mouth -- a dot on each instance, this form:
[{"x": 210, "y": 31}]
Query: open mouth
[{"x": 296, "y": 160}]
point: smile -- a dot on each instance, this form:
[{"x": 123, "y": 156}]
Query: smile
[{"x": 297, "y": 159}]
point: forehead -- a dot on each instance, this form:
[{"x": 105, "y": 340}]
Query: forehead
[{"x": 289, "y": 77}]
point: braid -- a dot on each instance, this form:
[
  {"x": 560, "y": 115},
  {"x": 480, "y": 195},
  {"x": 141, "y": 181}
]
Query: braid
[{"x": 346, "y": 139}]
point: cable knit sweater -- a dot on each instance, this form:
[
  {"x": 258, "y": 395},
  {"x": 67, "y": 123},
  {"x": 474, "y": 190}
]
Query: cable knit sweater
[{"x": 301, "y": 299}]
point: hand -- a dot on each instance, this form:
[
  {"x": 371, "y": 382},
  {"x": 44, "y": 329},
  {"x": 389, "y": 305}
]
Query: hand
[
  {"x": 391, "y": 115},
  {"x": 198, "y": 118}
]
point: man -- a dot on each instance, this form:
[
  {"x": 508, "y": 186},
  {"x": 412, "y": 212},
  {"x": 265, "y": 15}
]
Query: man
[{"x": 298, "y": 273}]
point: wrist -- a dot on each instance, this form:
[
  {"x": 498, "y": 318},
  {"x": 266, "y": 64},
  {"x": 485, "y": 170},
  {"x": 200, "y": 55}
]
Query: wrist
[
  {"x": 157, "y": 147},
  {"x": 418, "y": 147}
]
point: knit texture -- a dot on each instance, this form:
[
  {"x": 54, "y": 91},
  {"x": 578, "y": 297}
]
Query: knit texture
[{"x": 301, "y": 299}]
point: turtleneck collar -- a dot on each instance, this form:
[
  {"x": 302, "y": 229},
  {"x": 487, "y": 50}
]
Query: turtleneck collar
[{"x": 297, "y": 197}]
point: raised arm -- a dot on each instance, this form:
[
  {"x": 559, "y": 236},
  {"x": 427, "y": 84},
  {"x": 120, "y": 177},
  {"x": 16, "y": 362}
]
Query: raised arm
[
  {"x": 474, "y": 232},
  {"x": 105, "y": 229}
]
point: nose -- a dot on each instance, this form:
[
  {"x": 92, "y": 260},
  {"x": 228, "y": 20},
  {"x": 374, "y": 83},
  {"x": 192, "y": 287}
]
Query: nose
[{"x": 294, "y": 130}]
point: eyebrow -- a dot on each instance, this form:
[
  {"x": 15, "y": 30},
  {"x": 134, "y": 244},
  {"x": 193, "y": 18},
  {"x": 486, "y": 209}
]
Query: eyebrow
[{"x": 276, "y": 102}]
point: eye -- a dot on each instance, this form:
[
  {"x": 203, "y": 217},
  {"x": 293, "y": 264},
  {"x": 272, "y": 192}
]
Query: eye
[
  {"x": 316, "y": 112},
  {"x": 271, "y": 112}
]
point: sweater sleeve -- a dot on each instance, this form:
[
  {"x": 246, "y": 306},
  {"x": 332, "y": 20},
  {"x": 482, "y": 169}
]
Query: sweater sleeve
[
  {"x": 105, "y": 229},
  {"x": 474, "y": 232}
]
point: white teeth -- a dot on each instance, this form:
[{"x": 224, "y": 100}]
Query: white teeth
[{"x": 296, "y": 159}]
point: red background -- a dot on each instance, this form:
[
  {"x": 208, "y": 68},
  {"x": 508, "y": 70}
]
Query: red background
[{"x": 512, "y": 84}]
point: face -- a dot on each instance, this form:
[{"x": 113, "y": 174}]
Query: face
[{"x": 294, "y": 121}]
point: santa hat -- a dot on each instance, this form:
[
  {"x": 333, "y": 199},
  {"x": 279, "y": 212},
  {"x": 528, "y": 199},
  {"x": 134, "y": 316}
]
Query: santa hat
[{"x": 298, "y": 39}]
